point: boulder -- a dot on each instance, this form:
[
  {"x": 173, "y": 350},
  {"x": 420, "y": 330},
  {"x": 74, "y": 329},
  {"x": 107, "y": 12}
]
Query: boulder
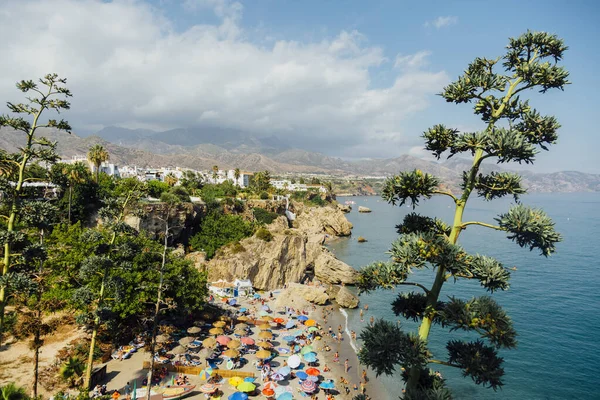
[
  {"x": 346, "y": 299},
  {"x": 362, "y": 209},
  {"x": 329, "y": 220},
  {"x": 300, "y": 296},
  {"x": 345, "y": 208},
  {"x": 329, "y": 269},
  {"x": 361, "y": 239}
]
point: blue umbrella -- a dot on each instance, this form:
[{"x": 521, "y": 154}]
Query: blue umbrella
[
  {"x": 283, "y": 350},
  {"x": 256, "y": 296},
  {"x": 327, "y": 385},
  {"x": 285, "y": 371},
  {"x": 243, "y": 309},
  {"x": 290, "y": 324},
  {"x": 238, "y": 396},
  {"x": 301, "y": 375},
  {"x": 302, "y": 318},
  {"x": 265, "y": 307},
  {"x": 249, "y": 379},
  {"x": 310, "y": 357},
  {"x": 289, "y": 338},
  {"x": 285, "y": 396},
  {"x": 232, "y": 302}
]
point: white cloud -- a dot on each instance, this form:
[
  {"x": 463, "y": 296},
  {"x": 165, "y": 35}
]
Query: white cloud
[
  {"x": 128, "y": 65},
  {"x": 412, "y": 61},
  {"x": 441, "y": 22}
]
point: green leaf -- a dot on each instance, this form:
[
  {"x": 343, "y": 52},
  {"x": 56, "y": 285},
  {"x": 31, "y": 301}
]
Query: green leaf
[
  {"x": 478, "y": 361},
  {"x": 409, "y": 186}
]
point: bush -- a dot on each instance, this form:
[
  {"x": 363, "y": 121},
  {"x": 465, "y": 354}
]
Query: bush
[
  {"x": 237, "y": 248},
  {"x": 218, "y": 230},
  {"x": 156, "y": 188},
  {"x": 263, "y": 216},
  {"x": 264, "y": 195},
  {"x": 175, "y": 194},
  {"x": 264, "y": 234}
]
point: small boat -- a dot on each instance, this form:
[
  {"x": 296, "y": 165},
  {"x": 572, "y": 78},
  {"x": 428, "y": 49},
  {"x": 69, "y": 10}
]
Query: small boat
[{"x": 349, "y": 202}]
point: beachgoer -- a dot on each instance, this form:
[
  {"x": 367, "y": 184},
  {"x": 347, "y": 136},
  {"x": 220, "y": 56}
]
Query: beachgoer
[
  {"x": 127, "y": 391},
  {"x": 364, "y": 375},
  {"x": 116, "y": 395},
  {"x": 366, "y": 307},
  {"x": 336, "y": 357},
  {"x": 346, "y": 366},
  {"x": 372, "y": 320}
]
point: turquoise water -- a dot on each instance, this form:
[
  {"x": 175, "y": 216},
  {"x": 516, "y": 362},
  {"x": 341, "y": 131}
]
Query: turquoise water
[{"x": 554, "y": 302}]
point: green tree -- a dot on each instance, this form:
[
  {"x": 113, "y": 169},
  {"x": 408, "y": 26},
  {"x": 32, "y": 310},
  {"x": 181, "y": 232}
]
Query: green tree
[
  {"x": 156, "y": 188},
  {"x": 261, "y": 182},
  {"x": 13, "y": 392},
  {"x": 97, "y": 154},
  {"x": 171, "y": 179},
  {"x": 315, "y": 181},
  {"x": 217, "y": 230},
  {"x": 74, "y": 177},
  {"x": 215, "y": 174},
  {"x": 79, "y": 194},
  {"x": 192, "y": 181},
  {"x": 49, "y": 97},
  {"x": 236, "y": 175},
  {"x": 71, "y": 369},
  {"x": 514, "y": 132},
  {"x": 302, "y": 181}
]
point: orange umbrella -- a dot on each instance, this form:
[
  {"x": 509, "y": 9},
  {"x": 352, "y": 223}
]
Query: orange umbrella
[
  {"x": 268, "y": 392},
  {"x": 310, "y": 322},
  {"x": 313, "y": 371},
  {"x": 278, "y": 320}
]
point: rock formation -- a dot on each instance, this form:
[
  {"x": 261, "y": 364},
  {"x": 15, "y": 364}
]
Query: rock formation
[
  {"x": 345, "y": 298},
  {"x": 362, "y": 209},
  {"x": 299, "y": 296},
  {"x": 361, "y": 239},
  {"x": 182, "y": 218},
  {"x": 317, "y": 220},
  {"x": 345, "y": 208}
]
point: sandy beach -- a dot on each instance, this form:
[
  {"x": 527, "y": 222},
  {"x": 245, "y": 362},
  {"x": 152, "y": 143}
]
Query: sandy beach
[{"x": 130, "y": 370}]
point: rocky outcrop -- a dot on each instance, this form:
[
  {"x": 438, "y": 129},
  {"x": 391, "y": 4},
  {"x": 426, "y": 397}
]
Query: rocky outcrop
[
  {"x": 300, "y": 296},
  {"x": 182, "y": 218},
  {"x": 318, "y": 220},
  {"x": 346, "y": 299},
  {"x": 362, "y": 209},
  {"x": 331, "y": 270},
  {"x": 361, "y": 239},
  {"x": 198, "y": 258},
  {"x": 345, "y": 208}
]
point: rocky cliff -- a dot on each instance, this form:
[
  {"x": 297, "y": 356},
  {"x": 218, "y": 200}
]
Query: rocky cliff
[
  {"x": 290, "y": 255},
  {"x": 183, "y": 217}
]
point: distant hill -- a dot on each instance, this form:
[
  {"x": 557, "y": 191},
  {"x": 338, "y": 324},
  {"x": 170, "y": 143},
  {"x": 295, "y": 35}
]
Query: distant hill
[{"x": 146, "y": 148}]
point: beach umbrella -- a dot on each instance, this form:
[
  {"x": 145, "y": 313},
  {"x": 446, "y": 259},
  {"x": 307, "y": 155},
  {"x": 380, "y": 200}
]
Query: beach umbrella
[
  {"x": 186, "y": 340},
  {"x": 216, "y": 331},
  {"x": 256, "y": 296},
  {"x": 238, "y": 396},
  {"x": 240, "y": 332},
  {"x": 290, "y": 324},
  {"x": 230, "y": 364},
  {"x": 231, "y": 353},
  {"x": 270, "y": 385},
  {"x": 310, "y": 322},
  {"x": 248, "y": 341},
  {"x": 283, "y": 350},
  {"x": 301, "y": 375},
  {"x": 265, "y": 307},
  {"x": 289, "y": 338},
  {"x": 313, "y": 371},
  {"x": 278, "y": 320},
  {"x": 327, "y": 385},
  {"x": 223, "y": 340},
  {"x": 277, "y": 376},
  {"x": 313, "y": 378},
  {"x": 268, "y": 392},
  {"x": 236, "y": 380},
  {"x": 264, "y": 345},
  {"x": 243, "y": 318},
  {"x": 265, "y": 335},
  {"x": 232, "y": 302},
  {"x": 193, "y": 330},
  {"x": 264, "y": 327},
  {"x": 306, "y": 349},
  {"x": 302, "y": 318},
  {"x": 313, "y": 329},
  {"x": 308, "y": 386},
  {"x": 162, "y": 338},
  {"x": 285, "y": 371},
  {"x": 234, "y": 344},
  {"x": 219, "y": 324},
  {"x": 263, "y": 354},
  {"x": 241, "y": 325},
  {"x": 266, "y": 318},
  {"x": 263, "y": 313},
  {"x": 297, "y": 333},
  {"x": 243, "y": 309},
  {"x": 249, "y": 379},
  {"x": 199, "y": 323},
  {"x": 224, "y": 318},
  {"x": 285, "y": 396},
  {"x": 246, "y": 387},
  {"x": 209, "y": 342},
  {"x": 208, "y": 388},
  {"x": 205, "y": 373},
  {"x": 294, "y": 361},
  {"x": 310, "y": 357},
  {"x": 178, "y": 350}
]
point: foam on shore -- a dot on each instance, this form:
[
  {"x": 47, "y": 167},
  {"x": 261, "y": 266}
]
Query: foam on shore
[{"x": 347, "y": 330}]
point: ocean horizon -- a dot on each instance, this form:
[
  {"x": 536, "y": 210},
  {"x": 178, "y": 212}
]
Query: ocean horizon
[{"x": 552, "y": 301}]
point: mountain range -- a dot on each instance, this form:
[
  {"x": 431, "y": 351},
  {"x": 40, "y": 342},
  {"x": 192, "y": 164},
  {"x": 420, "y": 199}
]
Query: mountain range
[{"x": 228, "y": 148}]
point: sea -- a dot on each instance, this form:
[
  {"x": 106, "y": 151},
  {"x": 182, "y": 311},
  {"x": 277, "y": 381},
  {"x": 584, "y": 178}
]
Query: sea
[{"x": 554, "y": 302}]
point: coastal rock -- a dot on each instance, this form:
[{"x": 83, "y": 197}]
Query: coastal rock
[
  {"x": 183, "y": 217},
  {"x": 198, "y": 258},
  {"x": 361, "y": 239},
  {"x": 329, "y": 220},
  {"x": 346, "y": 299},
  {"x": 345, "y": 208},
  {"x": 299, "y": 296},
  {"x": 362, "y": 209},
  {"x": 329, "y": 269}
]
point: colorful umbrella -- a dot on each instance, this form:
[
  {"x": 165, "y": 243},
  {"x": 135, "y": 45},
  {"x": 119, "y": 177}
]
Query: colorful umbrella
[
  {"x": 285, "y": 371},
  {"x": 289, "y": 338},
  {"x": 278, "y": 320},
  {"x": 209, "y": 342},
  {"x": 310, "y": 322},
  {"x": 327, "y": 385},
  {"x": 236, "y": 380},
  {"x": 229, "y": 364},
  {"x": 247, "y": 341},
  {"x": 294, "y": 361},
  {"x": 313, "y": 378},
  {"x": 290, "y": 324},
  {"x": 232, "y": 302},
  {"x": 308, "y": 386},
  {"x": 313, "y": 329},
  {"x": 302, "y": 318},
  {"x": 246, "y": 387},
  {"x": 263, "y": 354},
  {"x": 270, "y": 385},
  {"x": 285, "y": 396},
  {"x": 193, "y": 330},
  {"x": 223, "y": 340},
  {"x": 231, "y": 353},
  {"x": 264, "y": 345},
  {"x": 310, "y": 357},
  {"x": 243, "y": 309},
  {"x": 301, "y": 375},
  {"x": 268, "y": 392},
  {"x": 238, "y": 396},
  {"x": 283, "y": 350},
  {"x": 313, "y": 371},
  {"x": 219, "y": 324},
  {"x": 205, "y": 373},
  {"x": 277, "y": 377},
  {"x": 263, "y": 313},
  {"x": 234, "y": 344},
  {"x": 306, "y": 349},
  {"x": 208, "y": 388},
  {"x": 265, "y": 335},
  {"x": 265, "y": 307},
  {"x": 216, "y": 331},
  {"x": 256, "y": 296}
]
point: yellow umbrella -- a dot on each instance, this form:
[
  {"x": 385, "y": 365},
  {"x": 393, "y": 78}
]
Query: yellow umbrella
[
  {"x": 263, "y": 354},
  {"x": 266, "y": 318},
  {"x": 219, "y": 324},
  {"x": 264, "y": 345},
  {"x": 234, "y": 344},
  {"x": 264, "y": 327},
  {"x": 231, "y": 353},
  {"x": 216, "y": 331},
  {"x": 265, "y": 335},
  {"x": 241, "y": 325},
  {"x": 209, "y": 342},
  {"x": 243, "y": 318},
  {"x": 236, "y": 380},
  {"x": 240, "y": 332},
  {"x": 310, "y": 322},
  {"x": 224, "y": 318}
]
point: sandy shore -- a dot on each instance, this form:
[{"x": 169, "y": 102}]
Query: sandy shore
[{"x": 121, "y": 372}]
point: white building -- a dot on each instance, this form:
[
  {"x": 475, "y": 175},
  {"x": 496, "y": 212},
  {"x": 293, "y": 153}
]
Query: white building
[
  {"x": 288, "y": 185},
  {"x": 243, "y": 181}
]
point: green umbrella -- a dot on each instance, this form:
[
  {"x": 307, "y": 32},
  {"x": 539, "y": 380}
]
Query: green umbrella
[
  {"x": 313, "y": 328},
  {"x": 306, "y": 349},
  {"x": 246, "y": 387}
]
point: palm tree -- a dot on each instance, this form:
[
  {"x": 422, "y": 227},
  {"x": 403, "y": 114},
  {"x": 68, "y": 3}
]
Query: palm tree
[
  {"x": 71, "y": 370},
  {"x": 171, "y": 179},
  {"x": 97, "y": 155},
  {"x": 215, "y": 170},
  {"x": 236, "y": 175},
  {"x": 73, "y": 177},
  {"x": 13, "y": 392}
]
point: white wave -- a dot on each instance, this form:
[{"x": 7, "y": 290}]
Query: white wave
[{"x": 345, "y": 314}]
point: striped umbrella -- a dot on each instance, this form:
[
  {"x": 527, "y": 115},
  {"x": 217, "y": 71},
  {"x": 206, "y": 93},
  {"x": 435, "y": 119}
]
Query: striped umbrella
[
  {"x": 205, "y": 373},
  {"x": 208, "y": 388},
  {"x": 308, "y": 386},
  {"x": 270, "y": 385}
]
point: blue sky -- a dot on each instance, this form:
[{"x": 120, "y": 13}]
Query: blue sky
[{"x": 347, "y": 78}]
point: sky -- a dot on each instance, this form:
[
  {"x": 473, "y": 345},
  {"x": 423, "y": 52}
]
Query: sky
[{"x": 348, "y": 78}]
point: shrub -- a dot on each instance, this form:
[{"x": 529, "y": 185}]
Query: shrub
[
  {"x": 237, "y": 248},
  {"x": 156, "y": 188},
  {"x": 263, "y": 216},
  {"x": 217, "y": 230},
  {"x": 264, "y": 195},
  {"x": 264, "y": 234}
]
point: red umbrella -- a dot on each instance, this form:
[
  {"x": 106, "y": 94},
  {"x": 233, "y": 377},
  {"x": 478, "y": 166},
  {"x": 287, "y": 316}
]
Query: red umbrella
[
  {"x": 278, "y": 320},
  {"x": 223, "y": 340},
  {"x": 268, "y": 392},
  {"x": 308, "y": 386},
  {"x": 313, "y": 372},
  {"x": 247, "y": 341}
]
